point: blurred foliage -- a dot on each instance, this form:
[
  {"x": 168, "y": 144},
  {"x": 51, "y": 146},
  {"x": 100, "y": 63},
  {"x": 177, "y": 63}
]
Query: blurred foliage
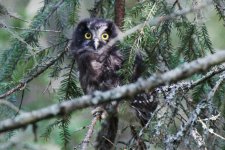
[{"x": 163, "y": 47}]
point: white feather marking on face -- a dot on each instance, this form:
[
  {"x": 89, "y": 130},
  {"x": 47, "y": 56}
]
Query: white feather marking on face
[{"x": 96, "y": 43}]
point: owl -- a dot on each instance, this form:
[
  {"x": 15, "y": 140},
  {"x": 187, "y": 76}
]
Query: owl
[
  {"x": 100, "y": 73},
  {"x": 97, "y": 69},
  {"x": 94, "y": 73}
]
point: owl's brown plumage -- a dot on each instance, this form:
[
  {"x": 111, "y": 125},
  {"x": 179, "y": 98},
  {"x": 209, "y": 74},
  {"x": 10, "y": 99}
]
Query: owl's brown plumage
[
  {"x": 97, "y": 69},
  {"x": 96, "y": 74}
]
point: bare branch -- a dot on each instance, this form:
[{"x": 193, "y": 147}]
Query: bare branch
[
  {"x": 194, "y": 118},
  {"x": 204, "y": 126},
  {"x": 198, "y": 138},
  {"x": 10, "y": 105},
  {"x": 186, "y": 127},
  {"x": 213, "y": 72},
  {"x": 90, "y": 132},
  {"x": 39, "y": 30}
]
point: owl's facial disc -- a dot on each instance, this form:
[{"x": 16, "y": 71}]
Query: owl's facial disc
[
  {"x": 99, "y": 36},
  {"x": 93, "y": 34}
]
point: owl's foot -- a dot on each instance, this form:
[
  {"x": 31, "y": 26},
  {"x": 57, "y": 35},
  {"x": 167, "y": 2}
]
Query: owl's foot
[{"x": 99, "y": 111}]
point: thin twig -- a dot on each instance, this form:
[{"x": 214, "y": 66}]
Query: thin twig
[
  {"x": 30, "y": 49},
  {"x": 89, "y": 134},
  {"x": 81, "y": 128},
  {"x": 51, "y": 46},
  {"x": 215, "y": 88},
  {"x": 214, "y": 71},
  {"x": 194, "y": 116},
  {"x": 39, "y": 30},
  {"x": 21, "y": 102},
  {"x": 10, "y": 105},
  {"x": 204, "y": 126},
  {"x": 4, "y": 11},
  {"x": 18, "y": 18},
  {"x": 109, "y": 141}
]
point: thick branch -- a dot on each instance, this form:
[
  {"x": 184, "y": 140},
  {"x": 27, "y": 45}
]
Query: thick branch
[{"x": 118, "y": 93}]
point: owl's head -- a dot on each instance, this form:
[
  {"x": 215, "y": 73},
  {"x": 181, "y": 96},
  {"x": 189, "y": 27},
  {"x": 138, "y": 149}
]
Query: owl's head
[{"x": 94, "y": 33}]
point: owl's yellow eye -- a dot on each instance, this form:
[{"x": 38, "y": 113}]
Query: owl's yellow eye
[
  {"x": 87, "y": 36},
  {"x": 105, "y": 36}
]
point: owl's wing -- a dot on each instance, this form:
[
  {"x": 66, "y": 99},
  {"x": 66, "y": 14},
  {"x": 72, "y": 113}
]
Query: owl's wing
[
  {"x": 139, "y": 67},
  {"x": 144, "y": 103}
]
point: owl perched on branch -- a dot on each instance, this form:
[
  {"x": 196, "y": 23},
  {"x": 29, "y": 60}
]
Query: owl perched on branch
[
  {"x": 96, "y": 73},
  {"x": 97, "y": 68}
]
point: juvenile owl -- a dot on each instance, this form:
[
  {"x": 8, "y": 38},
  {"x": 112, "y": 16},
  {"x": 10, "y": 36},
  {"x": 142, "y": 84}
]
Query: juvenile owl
[
  {"x": 97, "y": 68},
  {"x": 99, "y": 73},
  {"x": 89, "y": 37}
]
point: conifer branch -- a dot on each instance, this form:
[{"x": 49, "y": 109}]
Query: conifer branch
[
  {"x": 154, "y": 21},
  {"x": 5, "y": 12},
  {"x": 220, "y": 6},
  {"x": 18, "y": 49},
  {"x": 39, "y": 69},
  {"x": 66, "y": 107},
  {"x": 151, "y": 22}
]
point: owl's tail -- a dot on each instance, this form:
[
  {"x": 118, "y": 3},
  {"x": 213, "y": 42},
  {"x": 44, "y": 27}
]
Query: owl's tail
[{"x": 109, "y": 126}]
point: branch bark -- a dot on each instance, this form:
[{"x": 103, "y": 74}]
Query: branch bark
[
  {"x": 87, "y": 138},
  {"x": 184, "y": 71},
  {"x": 119, "y": 12}
]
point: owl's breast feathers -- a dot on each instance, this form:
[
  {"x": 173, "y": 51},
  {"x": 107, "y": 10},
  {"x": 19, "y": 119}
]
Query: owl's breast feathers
[{"x": 96, "y": 74}]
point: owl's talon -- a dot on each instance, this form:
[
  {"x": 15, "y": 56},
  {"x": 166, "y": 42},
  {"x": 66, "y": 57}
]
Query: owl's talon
[{"x": 99, "y": 111}]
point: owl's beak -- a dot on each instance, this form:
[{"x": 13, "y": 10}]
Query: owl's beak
[{"x": 96, "y": 44}]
